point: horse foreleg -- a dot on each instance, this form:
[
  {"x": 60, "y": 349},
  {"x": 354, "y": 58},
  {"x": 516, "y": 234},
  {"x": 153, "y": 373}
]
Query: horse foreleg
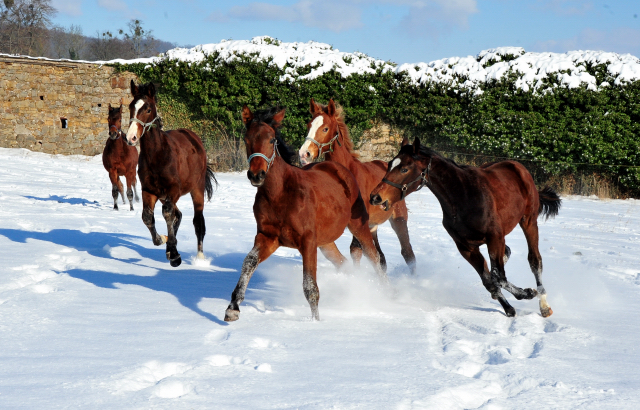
[
  {"x": 129, "y": 181},
  {"x": 374, "y": 236},
  {"x": 198, "y": 221},
  {"x": 172, "y": 216},
  {"x": 474, "y": 257},
  {"x": 263, "y": 247},
  {"x": 398, "y": 223},
  {"x": 355, "y": 249},
  {"x": 309, "y": 268},
  {"x": 113, "y": 177},
  {"x": 148, "y": 206},
  {"x": 530, "y": 229},
  {"x": 364, "y": 237},
  {"x": 331, "y": 252}
]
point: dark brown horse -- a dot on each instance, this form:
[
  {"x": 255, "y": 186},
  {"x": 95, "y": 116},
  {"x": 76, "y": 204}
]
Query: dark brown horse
[
  {"x": 479, "y": 206},
  {"x": 298, "y": 208},
  {"x": 172, "y": 164},
  {"x": 329, "y": 136},
  {"x": 120, "y": 159}
]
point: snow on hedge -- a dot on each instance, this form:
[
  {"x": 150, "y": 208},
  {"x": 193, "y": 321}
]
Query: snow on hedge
[{"x": 460, "y": 72}]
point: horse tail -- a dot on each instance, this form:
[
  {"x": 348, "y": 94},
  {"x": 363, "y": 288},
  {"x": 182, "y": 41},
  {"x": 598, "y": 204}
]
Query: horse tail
[
  {"x": 208, "y": 186},
  {"x": 550, "y": 202}
]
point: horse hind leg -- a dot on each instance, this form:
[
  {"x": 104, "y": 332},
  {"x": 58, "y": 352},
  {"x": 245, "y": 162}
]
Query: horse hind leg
[
  {"x": 198, "y": 222},
  {"x": 535, "y": 262},
  {"x": 383, "y": 260},
  {"x": 115, "y": 191},
  {"x": 263, "y": 247},
  {"x": 309, "y": 269},
  {"x": 331, "y": 252},
  {"x": 398, "y": 223},
  {"x": 130, "y": 181},
  {"x": 365, "y": 238}
]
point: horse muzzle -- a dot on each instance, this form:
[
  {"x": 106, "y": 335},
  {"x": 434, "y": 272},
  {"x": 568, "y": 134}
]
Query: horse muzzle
[
  {"x": 376, "y": 199},
  {"x": 256, "y": 179}
]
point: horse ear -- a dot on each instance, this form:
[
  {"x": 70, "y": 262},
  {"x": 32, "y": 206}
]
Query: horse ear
[
  {"x": 313, "y": 107},
  {"x": 331, "y": 108},
  {"x": 405, "y": 141},
  {"x": 278, "y": 117},
  {"x": 416, "y": 145},
  {"x": 151, "y": 92},
  {"x": 247, "y": 115},
  {"x": 134, "y": 89},
  {"x": 109, "y": 106}
]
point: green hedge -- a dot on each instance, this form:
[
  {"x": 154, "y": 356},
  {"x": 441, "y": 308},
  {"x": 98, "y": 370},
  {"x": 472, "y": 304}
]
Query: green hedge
[{"x": 560, "y": 129}]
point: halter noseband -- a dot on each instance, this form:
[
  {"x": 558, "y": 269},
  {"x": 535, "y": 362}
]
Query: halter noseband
[
  {"x": 423, "y": 178},
  {"x": 261, "y": 155},
  {"x": 326, "y": 144},
  {"x": 145, "y": 125},
  {"x": 119, "y": 132}
]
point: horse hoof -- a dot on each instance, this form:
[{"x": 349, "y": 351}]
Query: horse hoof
[
  {"x": 164, "y": 238},
  {"x": 510, "y": 312},
  {"x": 200, "y": 256},
  {"x": 231, "y": 315},
  {"x": 530, "y": 293},
  {"x": 546, "y": 312},
  {"x": 176, "y": 262}
]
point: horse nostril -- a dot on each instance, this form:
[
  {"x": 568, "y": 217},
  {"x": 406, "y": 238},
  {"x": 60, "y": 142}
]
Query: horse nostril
[
  {"x": 307, "y": 154},
  {"x": 375, "y": 199},
  {"x": 262, "y": 174}
]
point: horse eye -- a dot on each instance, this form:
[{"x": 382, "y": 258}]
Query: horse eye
[
  {"x": 404, "y": 170},
  {"x": 326, "y": 129},
  {"x": 149, "y": 110}
]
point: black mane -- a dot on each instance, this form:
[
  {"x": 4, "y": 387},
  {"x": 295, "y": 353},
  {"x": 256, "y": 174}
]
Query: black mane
[
  {"x": 428, "y": 152},
  {"x": 266, "y": 116}
]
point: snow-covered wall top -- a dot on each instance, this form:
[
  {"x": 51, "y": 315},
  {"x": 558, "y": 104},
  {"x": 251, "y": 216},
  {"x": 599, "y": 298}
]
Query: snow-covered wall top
[{"x": 460, "y": 72}]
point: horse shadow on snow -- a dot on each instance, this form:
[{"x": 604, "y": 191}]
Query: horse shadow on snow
[{"x": 188, "y": 286}]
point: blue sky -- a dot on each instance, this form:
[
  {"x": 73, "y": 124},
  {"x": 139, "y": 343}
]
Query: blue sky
[{"x": 402, "y": 31}]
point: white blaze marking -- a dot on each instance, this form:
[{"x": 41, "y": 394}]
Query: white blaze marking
[
  {"x": 394, "y": 164},
  {"x": 133, "y": 128},
  {"x": 315, "y": 125}
]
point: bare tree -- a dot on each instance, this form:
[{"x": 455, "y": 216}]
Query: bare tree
[
  {"x": 67, "y": 42},
  {"x": 24, "y": 26},
  {"x": 105, "y": 46},
  {"x": 142, "y": 41}
]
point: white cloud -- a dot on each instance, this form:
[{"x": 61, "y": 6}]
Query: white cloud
[
  {"x": 113, "y": 5},
  {"x": 332, "y": 15},
  {"x": 69, "y": 7},
  {"x": 565, "y": 7},
  {"x": 621, "y": 40},
  {"x": 433, "y": 17}
]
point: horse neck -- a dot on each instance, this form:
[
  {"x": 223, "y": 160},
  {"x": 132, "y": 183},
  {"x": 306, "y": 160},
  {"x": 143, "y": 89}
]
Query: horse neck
[
  {"x": 341, "y": 154},
  {"x": 445, "y": 181},
  {"x": 273, "y": 185},
  {"x": 152, "y": 142}
]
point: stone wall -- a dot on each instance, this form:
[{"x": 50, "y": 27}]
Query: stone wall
[
  {"x": 380, "y": 142},
  {"x": 36, "y": 95}
]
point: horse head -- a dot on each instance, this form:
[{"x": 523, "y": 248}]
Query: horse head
[
  {"x": 323, "y": 131},
  {"x": 142, "y": 111},
  {"x": 114, "y": 120},
  {"x": 406, "y": 173},
  {"x": 261, "y": 140}
]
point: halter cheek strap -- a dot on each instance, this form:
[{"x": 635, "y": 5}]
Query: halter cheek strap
[
  {"x": 423, "y": 178},
  {"x": 119, "y": 132},
  {"x": 326, "y": 144},
  {"x": 261, "y": 155},
  {"x": 145, "y": 125}
]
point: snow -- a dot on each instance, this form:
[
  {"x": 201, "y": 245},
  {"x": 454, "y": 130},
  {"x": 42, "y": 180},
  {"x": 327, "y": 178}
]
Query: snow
[{"x": 93, "y": 316}]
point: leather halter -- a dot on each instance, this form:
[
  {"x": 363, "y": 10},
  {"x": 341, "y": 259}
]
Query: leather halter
[
  {"x": 326, "y": 144},
  {"x": 423, "y": 178},
  {"x": 261, "y": 155},
  {"x": 145, "y": 125},
  {"x": 119, "y": 132}
]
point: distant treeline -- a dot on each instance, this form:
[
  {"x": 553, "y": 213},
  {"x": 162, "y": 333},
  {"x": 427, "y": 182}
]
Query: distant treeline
[{"x": 26, "y": 29}]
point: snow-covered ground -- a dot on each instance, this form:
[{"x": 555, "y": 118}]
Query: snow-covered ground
[{"x": 92, "y": 316}]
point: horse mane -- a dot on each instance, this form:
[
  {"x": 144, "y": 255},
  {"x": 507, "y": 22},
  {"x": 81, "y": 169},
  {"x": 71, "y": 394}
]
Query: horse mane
[
  {"x": 343, "y": 129},
  {"x": 428, "y": 152},
  {"x": 266, "y": 116}
]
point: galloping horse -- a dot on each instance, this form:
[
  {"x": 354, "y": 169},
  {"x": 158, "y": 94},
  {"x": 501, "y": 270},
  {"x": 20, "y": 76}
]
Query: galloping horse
[
  {"x": 329, "y": 136},
  {"x": 479, "y": 206},
  {"x": 172, "y": 164},
  {"x": 297, "y": 208},
  {"x": 120, "y": 159}
]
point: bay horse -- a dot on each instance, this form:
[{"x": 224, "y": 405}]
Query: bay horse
[
  {"x": 328, "y": 136},
  {"x": 172, "y": 164},
  {"x": 480, "y": 205},
  {"x": 120, "y": 159},
  {"x": 298, "y": 208}
]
